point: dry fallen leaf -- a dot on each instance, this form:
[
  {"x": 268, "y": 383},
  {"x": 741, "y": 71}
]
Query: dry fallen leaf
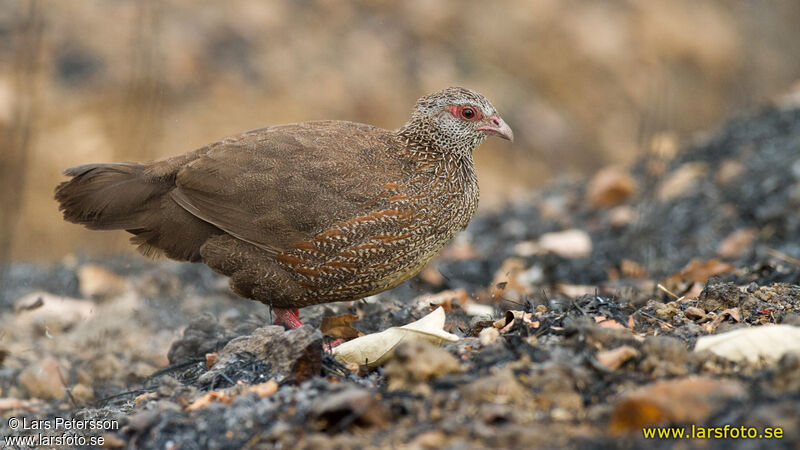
[
  {"x": 766, "y": 342},
  {"x": 431, "y": 275},
  {"x": 506, "y": 283},
  {"x": 263, "y": 389},
  {"x": 208, "y": 398},
  {"x": 446, "y": 299},
  {"x": 736, "y": 243},
  {"x": 42, "y": 379},
  {"x": 701, "y": 271},
  {"x": 339, "y": 326},
  {"x": 145, "y": 398},
  {"x": 608, "y": 323},
  {"x": 733, "y": 313},
  {"x": 575, "y": 290},
  {"x": 682, "y": 400},
  {"x": 693, "y": 291},
  {"x": 616, "y": 357},
  {"x": 458, "y": 252},
  {"x": 632, "y": 269},
  {"x": 610, "y": 186},
  {"x": 375, "y": 349},
  {"x": 211, "y": 358}
]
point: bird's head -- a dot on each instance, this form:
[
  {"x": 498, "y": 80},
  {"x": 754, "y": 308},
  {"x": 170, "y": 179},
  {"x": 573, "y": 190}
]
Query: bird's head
[{"x": 455, "y": 118}]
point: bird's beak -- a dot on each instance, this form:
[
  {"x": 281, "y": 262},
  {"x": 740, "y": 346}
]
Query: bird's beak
[{"x": 496, "y": 125}]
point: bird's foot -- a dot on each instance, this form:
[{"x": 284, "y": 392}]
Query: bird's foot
[
  {"x": 291, "y": 318},
  {"x": 288, "y": 317},
  {"x": 329, "y": 346}
]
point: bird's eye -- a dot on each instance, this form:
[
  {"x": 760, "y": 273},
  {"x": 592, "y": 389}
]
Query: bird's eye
[{"x": 465, "y": 112}]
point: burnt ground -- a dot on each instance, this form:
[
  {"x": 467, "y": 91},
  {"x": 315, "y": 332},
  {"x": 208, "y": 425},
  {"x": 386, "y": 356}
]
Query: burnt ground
[{"x": 561, "y": 345}]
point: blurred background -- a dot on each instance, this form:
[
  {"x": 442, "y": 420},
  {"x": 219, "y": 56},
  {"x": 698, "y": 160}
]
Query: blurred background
[{"x": 583, "y": 84}]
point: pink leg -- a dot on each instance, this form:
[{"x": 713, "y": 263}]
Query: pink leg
[
  {"x": 334, "y": 343},
  {"x": 288, "y": 317},
  {"x": 291, "y": 318}
]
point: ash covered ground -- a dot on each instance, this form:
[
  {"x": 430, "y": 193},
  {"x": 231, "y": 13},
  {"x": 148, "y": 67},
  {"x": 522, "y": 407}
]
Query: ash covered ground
[{"x": 579, "y": 307}]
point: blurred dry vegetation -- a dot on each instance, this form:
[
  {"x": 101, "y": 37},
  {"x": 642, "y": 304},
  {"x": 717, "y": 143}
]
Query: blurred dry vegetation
[{"x": 583, "y": 83}]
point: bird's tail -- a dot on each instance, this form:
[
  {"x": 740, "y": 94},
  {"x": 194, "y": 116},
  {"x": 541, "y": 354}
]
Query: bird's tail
[
  {"x": 107, "y": 196},
  {"x": 123, "y": 196}
]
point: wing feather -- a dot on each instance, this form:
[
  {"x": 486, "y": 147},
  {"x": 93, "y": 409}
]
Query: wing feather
[{"x": 277, "y": 186}]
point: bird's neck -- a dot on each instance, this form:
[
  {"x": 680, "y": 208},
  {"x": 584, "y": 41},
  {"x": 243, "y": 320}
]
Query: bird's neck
[
  {"x": 421, "y": 138},
  {"x": 439, "y": 156}
]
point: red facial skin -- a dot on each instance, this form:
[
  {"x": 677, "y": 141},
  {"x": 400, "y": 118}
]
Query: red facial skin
[{"x": 458, "y": 112}]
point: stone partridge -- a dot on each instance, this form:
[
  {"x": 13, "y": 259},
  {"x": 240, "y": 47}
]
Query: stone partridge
[{"x": 304, "y": 213}]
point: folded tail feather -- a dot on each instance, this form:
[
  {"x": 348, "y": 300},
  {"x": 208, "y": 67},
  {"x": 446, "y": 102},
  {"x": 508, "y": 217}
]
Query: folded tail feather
[{"x": 121, "y": 196}]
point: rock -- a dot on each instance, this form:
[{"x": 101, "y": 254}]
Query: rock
[
  {"x": 666, "y": 311},
  {"x": 105, "y": 367},
  {"x": 111, "y": 440},
  {"x": 159, "y": 283},
  {"x": 478, "y": 309},
  {"x": 203, "y": 335},
  {"x": 570, "y": 244},
  {"x": 488, "y": 335},
  {"x": 681, "y": 180},
  {"x": 721, "y": 296},
  {"x": 96, "y": 281},
  {"x": 729, "y": 170},
  {"x": 610, "y": 187},
  {"x": 664, "y": 356},
  {"x": 786, "y": 377},
  {"x": 621, "y": 216},
  {"x": 500, "y": 387},
  {"x": 82, "y": 394},
  {"x": 694, "y": 313},
  {"x": 349, "y": 407},
  {"x": 56, "y": 313},
  {"x": 292, "y": 355},
  {"x": 684, "y": 400},
  {"x": 435, "y": 439},
  {"x": 418, "y": 361},
  {"x": 42, "y": 380}
]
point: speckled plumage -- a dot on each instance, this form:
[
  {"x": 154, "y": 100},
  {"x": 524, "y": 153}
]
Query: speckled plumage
[{"x": 304, "y": 213}]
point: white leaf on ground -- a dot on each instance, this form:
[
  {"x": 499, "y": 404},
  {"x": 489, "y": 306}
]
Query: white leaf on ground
[
  {"x": 375, "y": 349},
  {"x": 570, "y": 244},
  {"x": 767, "y": 342},
  {"x": 44, "y": 307}
]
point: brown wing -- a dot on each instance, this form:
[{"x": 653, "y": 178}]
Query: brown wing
[{"x": 276, "y": 186}]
